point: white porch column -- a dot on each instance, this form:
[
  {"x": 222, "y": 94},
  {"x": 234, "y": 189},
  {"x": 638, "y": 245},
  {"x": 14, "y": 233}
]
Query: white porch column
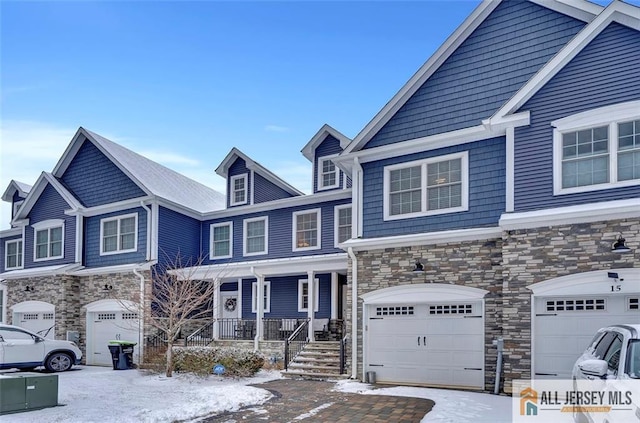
[
  {"x": 311, "y": 290},
  {"x": 216, "y": 308},
  {"x": 239, "y": 301},
  {"x": 334, "y": 295},
  {"x": 260, "y": 307}
]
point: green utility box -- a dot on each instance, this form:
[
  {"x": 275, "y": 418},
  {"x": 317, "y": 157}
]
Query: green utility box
[{"x": 27, "y": 391}]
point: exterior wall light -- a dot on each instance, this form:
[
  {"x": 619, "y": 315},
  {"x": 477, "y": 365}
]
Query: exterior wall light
[{"x": 619, "y": 247}]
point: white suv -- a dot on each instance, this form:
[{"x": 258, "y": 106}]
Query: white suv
[
  {"x": 612, "y": 355},
  {"x": 25, "y": 350}
]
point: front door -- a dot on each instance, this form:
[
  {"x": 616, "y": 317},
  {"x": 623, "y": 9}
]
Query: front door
[{"x": 229, "y": 322}]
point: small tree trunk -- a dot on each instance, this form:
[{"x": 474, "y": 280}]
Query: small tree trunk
[{"x": 169, "y": 369}]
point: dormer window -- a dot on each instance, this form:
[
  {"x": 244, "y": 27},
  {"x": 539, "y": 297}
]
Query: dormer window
[
  {"x": 16, "y": 207},
  {"x": 238, "y": 186},
  {"x": 327, "y": 173}
]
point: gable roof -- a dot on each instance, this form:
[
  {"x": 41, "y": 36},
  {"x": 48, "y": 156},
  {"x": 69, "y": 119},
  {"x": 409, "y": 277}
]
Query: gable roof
[
  {"x": 22, "y": 188},
  {"x": 45, "y": 179},
  {"x": 617, "y": 11},
  {"x": 579, "y": 9},
  {"x": 153, "y": 178},
  {"x": 309, "y": 149},
  {"x": 234, "y": 154}
]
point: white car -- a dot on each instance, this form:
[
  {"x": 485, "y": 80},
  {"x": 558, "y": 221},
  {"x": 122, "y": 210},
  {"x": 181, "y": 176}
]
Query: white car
[
  {"x": 25, "y": 350},
  {"x": 611, "y": 364}
]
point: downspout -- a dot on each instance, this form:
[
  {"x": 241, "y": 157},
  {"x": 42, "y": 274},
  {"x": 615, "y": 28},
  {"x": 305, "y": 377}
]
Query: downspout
[
  {"x": 358, "y": 197},
  {"x": 354, "y": 313},
  {"x": 499, "y": 343},
  {"x": 259, "y": 307},
  {"x": 141, "y": 315},
  {"x": 148, "y": 257}
]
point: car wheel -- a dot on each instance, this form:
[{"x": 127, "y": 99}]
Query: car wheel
[{"x": 58, "y": 362}]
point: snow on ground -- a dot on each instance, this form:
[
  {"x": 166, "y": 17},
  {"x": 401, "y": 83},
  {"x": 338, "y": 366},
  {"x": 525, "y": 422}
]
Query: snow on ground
[
  {"x": 451, "y": 406},
  {"x": 90, "y": 394}
]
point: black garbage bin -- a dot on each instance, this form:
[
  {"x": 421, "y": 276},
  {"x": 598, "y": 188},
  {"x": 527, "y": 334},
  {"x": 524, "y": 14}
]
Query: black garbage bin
[{"x": 122, "y": 354}]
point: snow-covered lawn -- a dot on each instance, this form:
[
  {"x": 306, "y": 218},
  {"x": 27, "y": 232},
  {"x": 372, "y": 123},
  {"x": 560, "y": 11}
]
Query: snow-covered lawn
[{"x": 100, "y": 394}]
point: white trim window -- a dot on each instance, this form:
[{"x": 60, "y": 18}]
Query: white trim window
[
  {"x": 16, "y": 207},
  {"x": 221, "y": 245},
  {"x": 427, "y": 187},
  {"x": 256, "y": 236},
  {"x": 342, "y": 218},
  {"x": 48, "y": 240},
  {"x": 597, "y": 149},
  {"x": 119, "y": 234},
  {"x": 266, "y": 298},
  {"x": 306, "y": 230},
  {"x": 328, "y": 174},
  {"x": 239, "y": 190},
  {"x": 13, "y": 254},
  {"x": 303, "y": 295}
]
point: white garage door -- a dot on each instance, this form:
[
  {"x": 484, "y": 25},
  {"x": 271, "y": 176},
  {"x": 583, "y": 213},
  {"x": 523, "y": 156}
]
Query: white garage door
[
  {"x": 36, "y": 316},
  {"x": 564, "y": 326},
  {"x": 438, "y": 344},
  {"x": 106, "y": 326}
]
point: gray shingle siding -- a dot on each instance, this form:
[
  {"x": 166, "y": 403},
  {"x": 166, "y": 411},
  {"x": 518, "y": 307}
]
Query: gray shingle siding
[
  {"x": 50, "y": 205},
  {"x": 606, "y": 72},
  {"x": 267, "y": 191},
  {"x": 484, "y": 72},
  {"x": 486, "y": 192},
  {"x": 329, "y": 146},
  {"x": 95, "y": 180},
  {"x": 92, "y": 257},
  {"x": 178, "y": 237}
]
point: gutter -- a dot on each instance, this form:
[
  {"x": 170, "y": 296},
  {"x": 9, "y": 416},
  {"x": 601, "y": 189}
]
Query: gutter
[
  {"x": 354, "y": 314},
  {"x": 141, "y": 315}
]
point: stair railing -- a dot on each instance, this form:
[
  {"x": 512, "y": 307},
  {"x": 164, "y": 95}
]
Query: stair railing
[
  {"x": 201, "y": 337},
  {"x": 343, "y": 354},
  {"x": 296, "y": 342}
]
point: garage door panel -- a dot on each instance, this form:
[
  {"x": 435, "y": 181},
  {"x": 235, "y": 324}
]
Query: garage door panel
[{"x": 108, "y": 326}]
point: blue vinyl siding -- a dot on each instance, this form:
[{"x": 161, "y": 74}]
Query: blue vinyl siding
[
  {"x": 486, "y": 192},
  {"x": 605, "y": 72},
  {"x": 16, "y": 197},
  {"x": 280, "y": 233},
  {"x": 50, "y": 205},
  {"x": 239, "y": 167},
  {"x": 266, "y": 190},
  {"x": 179, "y": 236},
  {"x": 284, "y": 297},
  {"x": 3, "y": 251},
  {"x": 229, "y": 286},
  {"x": 485, "y": 71},
  {"x": 92, "y": 257},
  {"x": 329, "y": 146},
  {"x": 95, "y": 180}
]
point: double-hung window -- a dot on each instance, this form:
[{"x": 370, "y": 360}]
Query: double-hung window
[
  {"x": 266, "y": 297},
  {"x": 239, "y": 190},
  {"x": 221, "y": 240},
  {"x": 328, "y": 174},
  {"x": 303, "y": 295},
  {"x": 48, "y": 240},
  {"x": 426, "y": 187},
  {"x": 597, "y": 149},
  {"x": 256, "y": 236},
  {"x": 13, "y": 254},
  {"x": 119, "y": 234},
  {"x": 342, "y": 216},
  {"x": 306, "y": 230}
]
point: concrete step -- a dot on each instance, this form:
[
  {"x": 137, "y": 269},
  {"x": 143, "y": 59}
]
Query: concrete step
[
  {"x": 312, "y": 376},
  {"x": 314, "y": 368}
]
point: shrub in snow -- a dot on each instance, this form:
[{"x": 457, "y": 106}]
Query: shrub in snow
[{"x": 201, "y": 360}]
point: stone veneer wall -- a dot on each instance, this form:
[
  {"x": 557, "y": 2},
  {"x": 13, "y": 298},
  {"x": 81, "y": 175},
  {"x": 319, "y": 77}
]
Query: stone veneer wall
[
  {"x": 536, "y": 255},
  {"x": 476, "y": 264},
  {"x": 69, "y": 295}
]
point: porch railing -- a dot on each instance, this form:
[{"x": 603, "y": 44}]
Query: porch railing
[
  {"x": 295, "y": 343},
  {"x": 280, "y": 329},
  {"x": 200, "y": 337},
  {"x": 343, "y": 354},
  {"x": 240, "y": 329}
]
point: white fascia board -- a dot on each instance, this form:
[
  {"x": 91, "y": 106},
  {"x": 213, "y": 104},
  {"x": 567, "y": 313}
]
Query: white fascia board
[
  {"x": 44, "y": 179},
  {"x": 123, "y": 268},
  {"x": 428, "y": 238},
  {"x": 40, "y": 271},
  {"x": 14, "y": 186},
  {"x": 303, "y": 200},
  {"x": 109, "y": 208},
  {"x": 617, "y": 11},
  {"x": 580, "y": 9},
  {"x": 417, "y": 145},
  {"x": 272, "y": 267},
  {"x": 308, "y": 150},
  {"x": 10, "y": 232},
  {"x": 586, "y": 213},
  {"x": 228, "y": 160},
  {"x": 435, "y": 61}
]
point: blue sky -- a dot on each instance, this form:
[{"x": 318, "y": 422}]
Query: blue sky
[{"x": 184, "y": 82}]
